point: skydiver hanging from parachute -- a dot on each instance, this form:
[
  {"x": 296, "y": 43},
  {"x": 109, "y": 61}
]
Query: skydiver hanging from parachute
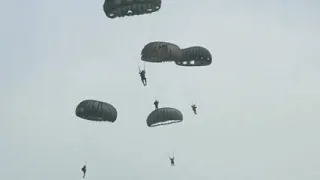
[
  {"x": 171, "y": 160},
  {"x": 143, "y": 75},
  {"x": 156, "y": 103},
  {"x": 84, "y": 170},
  {"x": 194, "y": 108}
]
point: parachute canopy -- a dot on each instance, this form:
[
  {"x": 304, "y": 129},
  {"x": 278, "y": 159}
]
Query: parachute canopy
[
  {"x": 121, "y": 8},
  {"x": 164, "y": 116},
  {"x": 96, "y": 111},
  {"x": 195, "y": 56},
  {"x": 157, "y": 52}
]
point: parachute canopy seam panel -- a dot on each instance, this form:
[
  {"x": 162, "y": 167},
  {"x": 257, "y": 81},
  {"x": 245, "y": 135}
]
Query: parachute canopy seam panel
[
  {"x": 122, "y": 8},
  {"x": 96, "y": 111}
]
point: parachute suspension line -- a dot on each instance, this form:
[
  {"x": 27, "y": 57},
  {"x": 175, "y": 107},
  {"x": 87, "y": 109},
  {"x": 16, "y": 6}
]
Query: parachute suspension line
[
  {"x": 171, "y": 154},
  {"x": 144, "y": 66},
  {"x": 84, "y": 141}
]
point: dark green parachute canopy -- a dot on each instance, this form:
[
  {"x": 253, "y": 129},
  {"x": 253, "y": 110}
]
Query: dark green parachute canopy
[
  {"x": 122, "y": 8},
  {"x": 96, "y": 111},
  {"x": 195, "y": 56},
  {"x": 164, "y": 116},
  {"x": 158, "y": 52}
]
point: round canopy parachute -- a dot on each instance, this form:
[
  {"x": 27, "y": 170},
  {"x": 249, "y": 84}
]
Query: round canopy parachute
[
  {"x": 195, "y": 56},
  {"x": 121, "y": 8},
  {"x": 157, "y": 52},
  {"x": 164, "y": 116},
  {"x": 96, "y": 111}
]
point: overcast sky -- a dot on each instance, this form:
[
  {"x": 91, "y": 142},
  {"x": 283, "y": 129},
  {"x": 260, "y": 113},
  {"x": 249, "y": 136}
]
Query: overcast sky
[{"x": 258, "y": 102}]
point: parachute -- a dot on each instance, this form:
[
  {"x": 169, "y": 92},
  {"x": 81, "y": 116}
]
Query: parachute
[
  {"x": 195, "y": 56},
  {"x": 158, "y": 52},
  {"x": 121, "y": 8},
  {"x": 164, "y": 116},
  {"x": 96, "y": 111}
]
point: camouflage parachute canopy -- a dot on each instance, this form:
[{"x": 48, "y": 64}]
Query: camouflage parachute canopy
[
  {"x": 195, "y": 56},
  {"x": 122, "y": 8},
  {"x": 96, "y": 111},
  {"x": 164, "y": 116},
  {"x": 158, "y": 52}
]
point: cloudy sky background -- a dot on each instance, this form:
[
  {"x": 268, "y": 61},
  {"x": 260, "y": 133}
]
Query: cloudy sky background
[{"x": 258, "y": 102}]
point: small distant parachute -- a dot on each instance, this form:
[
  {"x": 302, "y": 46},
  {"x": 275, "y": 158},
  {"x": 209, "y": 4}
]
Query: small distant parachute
[
  {"x": 164, "y": 116},
  {"x": 96, "y": 111},
  {"x": 157, "y": 52},
  {"x": 195, "y": 56},
  {"x": 122, "y": 8}
]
